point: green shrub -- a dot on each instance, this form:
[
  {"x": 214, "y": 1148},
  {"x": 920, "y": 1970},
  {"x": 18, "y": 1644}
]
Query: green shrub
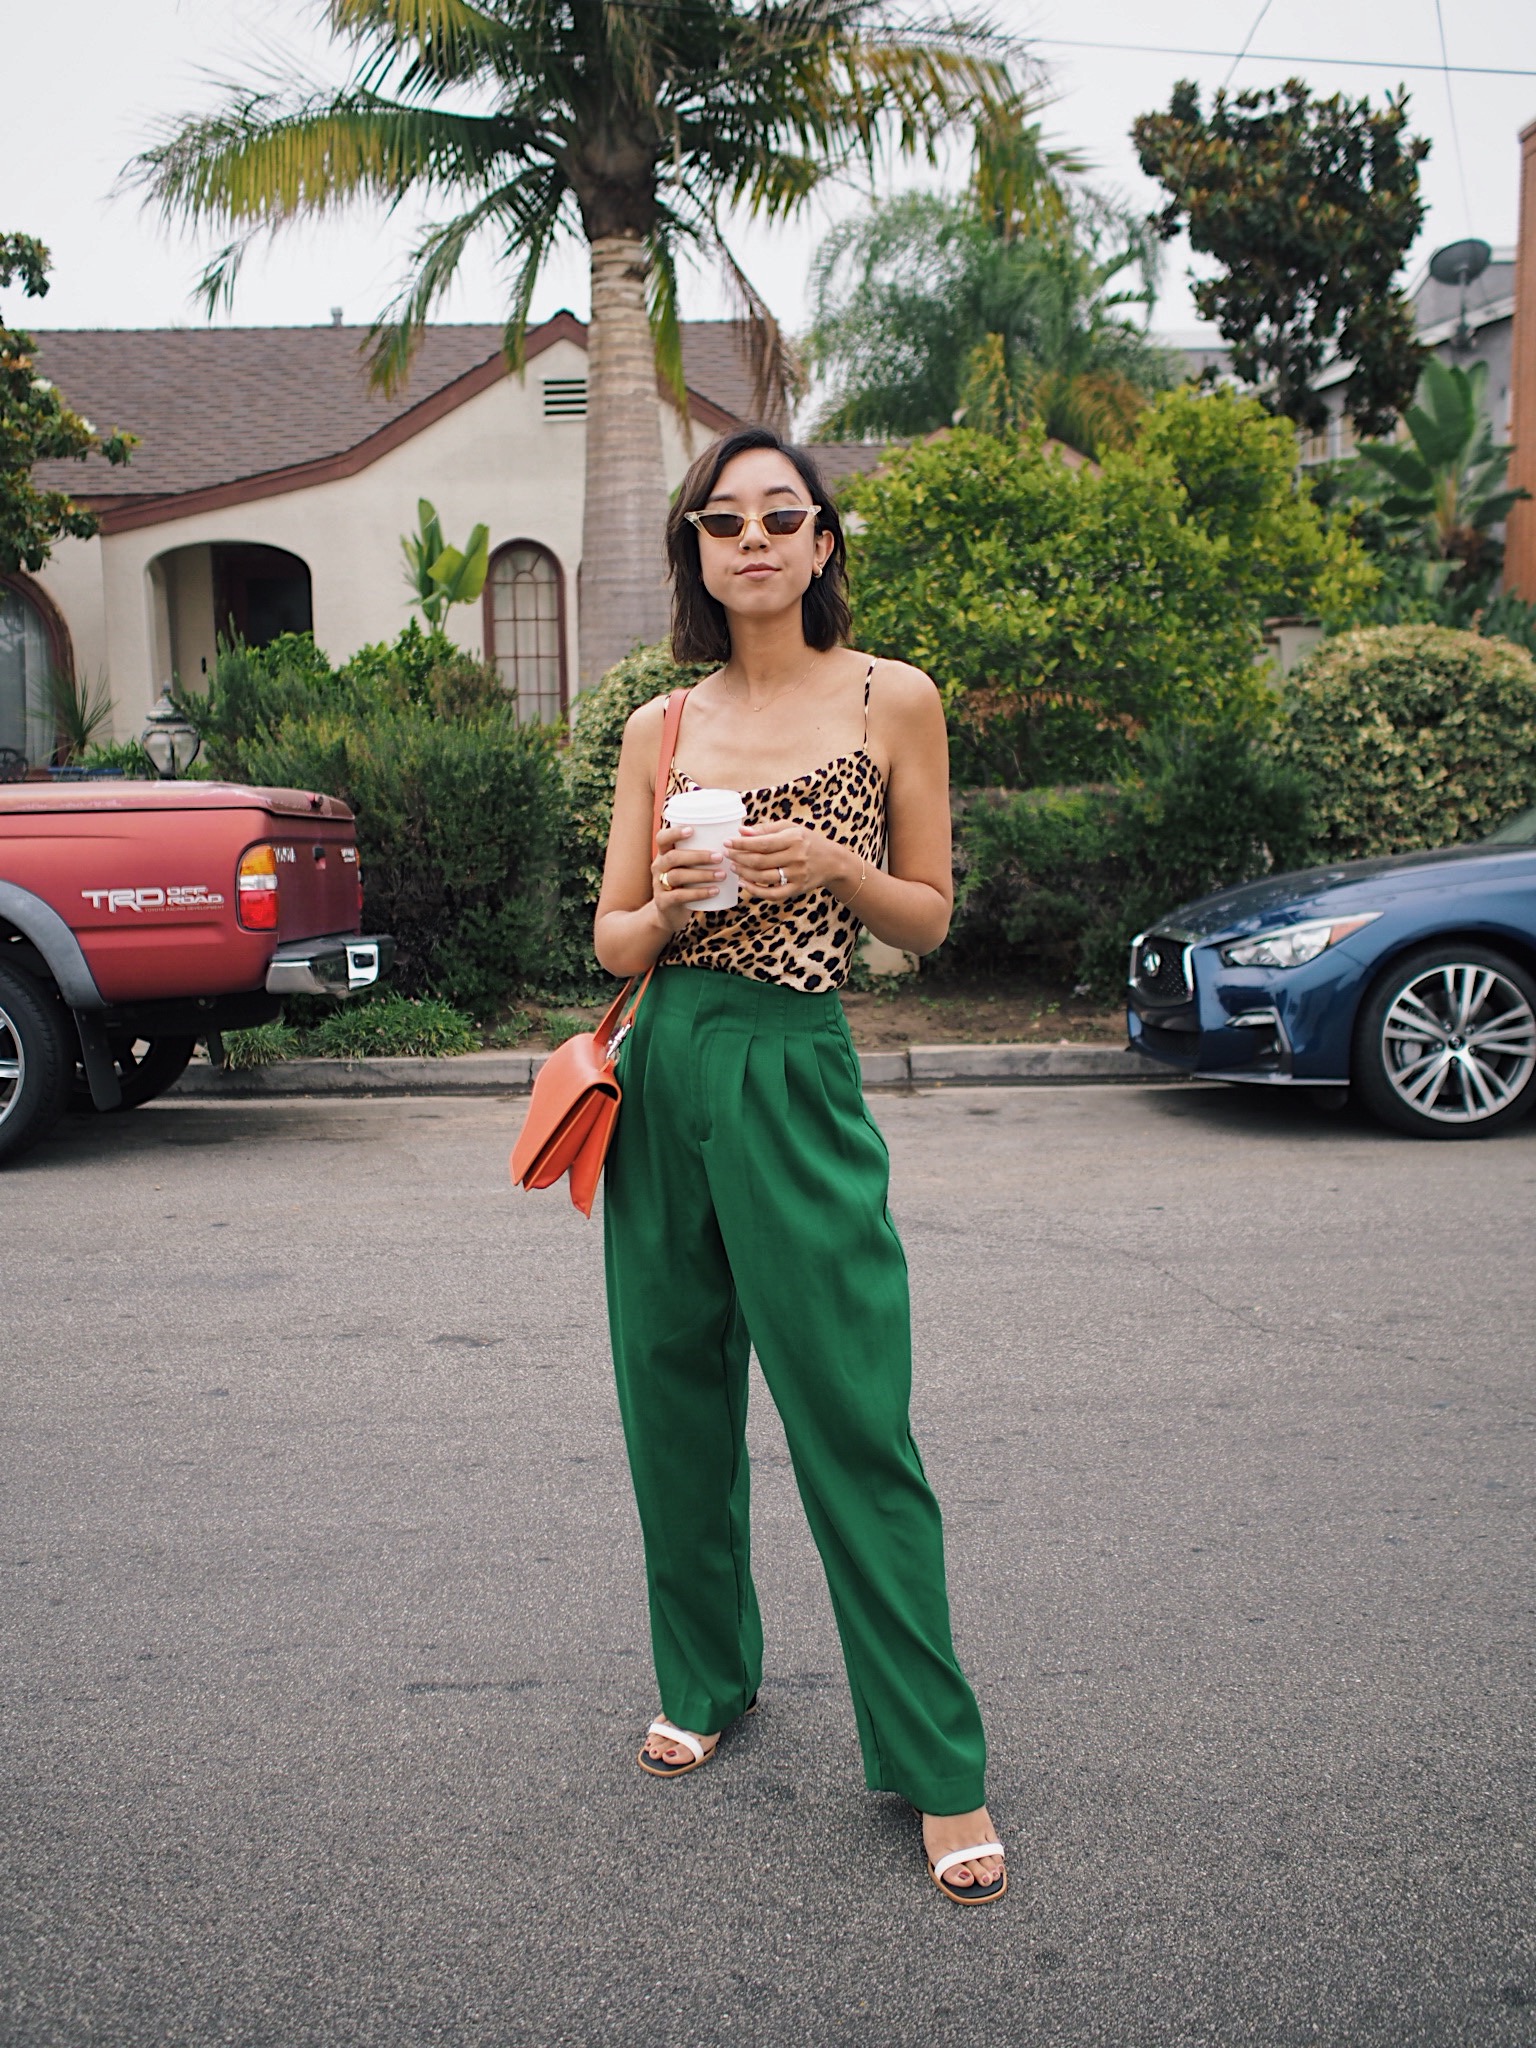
[
  {"x": 511, "y": 1030},
  {"x": 462, "y": 822},
  {"x": 592, "y": 758},
  {"x": 1062, "y": 612},
  {"x": 559, "y": 1027},
  {"x": 1036, "y": 871},
  {"x": 1412, "y": 736},
  {"x": 1057, "y": 881},
  {"x": 461, "y": 829},
  {"x": 262, "y": 1045},
  {"x": 393, "y": 1027},
  {"x": 122, "y": 757}
]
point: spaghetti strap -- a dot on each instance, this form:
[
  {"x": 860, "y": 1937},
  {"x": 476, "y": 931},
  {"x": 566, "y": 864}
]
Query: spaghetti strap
[{"x": 867, "y": 674}]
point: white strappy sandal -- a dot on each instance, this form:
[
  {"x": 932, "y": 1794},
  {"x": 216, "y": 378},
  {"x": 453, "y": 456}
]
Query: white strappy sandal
[
  {"x": 974, "y": 1893},
  {"x": 658, "y": 1766},
  {"x": 697, "y": 1753}
]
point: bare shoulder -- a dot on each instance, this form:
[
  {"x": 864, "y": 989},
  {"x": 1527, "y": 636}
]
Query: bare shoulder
[
  {"x": 903, "y": 699},
  {"x": 645, "y": 723}
]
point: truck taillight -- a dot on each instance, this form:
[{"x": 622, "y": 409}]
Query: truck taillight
[{"x": 256, "y": 889}]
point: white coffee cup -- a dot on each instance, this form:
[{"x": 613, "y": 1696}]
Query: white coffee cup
[{"x": 715, "y": 815}]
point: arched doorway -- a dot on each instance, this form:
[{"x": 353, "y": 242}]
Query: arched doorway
[
  {"x": 34, "y": 647},
  {"x": 260, "y": 593},
  {"x": 525, "y": 627},
  {"x": 223, "y": 590}
]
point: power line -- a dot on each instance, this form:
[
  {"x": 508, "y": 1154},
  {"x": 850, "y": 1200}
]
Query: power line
[
  {"x": 1258, "y": 23},
  {"x": 1272, "y": 57},
  {"x": 1450, "y": 101}
]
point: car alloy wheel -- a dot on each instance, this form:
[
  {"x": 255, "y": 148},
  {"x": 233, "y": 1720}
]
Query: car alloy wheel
[{"x": 1450, "y": 1043}]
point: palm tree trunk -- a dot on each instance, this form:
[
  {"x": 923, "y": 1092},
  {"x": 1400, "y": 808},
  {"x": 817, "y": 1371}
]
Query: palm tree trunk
[{"x": 623, "y": 592}]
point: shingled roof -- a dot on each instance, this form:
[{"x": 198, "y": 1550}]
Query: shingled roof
[{"x": 221, "y": 407}]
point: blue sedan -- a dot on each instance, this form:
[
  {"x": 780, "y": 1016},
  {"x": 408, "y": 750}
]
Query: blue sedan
[{"x": 1409, "y": 979}]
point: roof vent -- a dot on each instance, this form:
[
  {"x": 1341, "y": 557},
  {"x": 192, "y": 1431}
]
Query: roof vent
[{"x": 565, "y": 398}]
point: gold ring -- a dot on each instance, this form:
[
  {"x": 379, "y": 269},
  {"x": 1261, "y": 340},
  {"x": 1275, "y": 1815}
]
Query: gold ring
[
  {"x": 665, "y": 879},
  {"x": 783, "y": 879}
]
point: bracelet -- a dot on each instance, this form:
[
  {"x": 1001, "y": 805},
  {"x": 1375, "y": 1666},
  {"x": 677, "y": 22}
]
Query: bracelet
[{"x": 849, "y": 901}]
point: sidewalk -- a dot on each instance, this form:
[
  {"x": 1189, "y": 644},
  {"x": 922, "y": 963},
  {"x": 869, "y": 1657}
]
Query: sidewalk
[{"x": 511, "y": 1073}]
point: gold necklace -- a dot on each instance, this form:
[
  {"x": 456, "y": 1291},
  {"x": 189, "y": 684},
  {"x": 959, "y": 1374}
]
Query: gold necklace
[{"x": 780, "y": 693}]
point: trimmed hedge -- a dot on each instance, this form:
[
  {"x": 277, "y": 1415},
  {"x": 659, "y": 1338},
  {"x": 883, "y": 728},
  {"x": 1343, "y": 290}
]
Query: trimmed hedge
[{"x": 1411, "y": 736}]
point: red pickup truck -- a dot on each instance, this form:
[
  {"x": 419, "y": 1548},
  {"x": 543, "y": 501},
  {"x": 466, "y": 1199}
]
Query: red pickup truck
[{"x": 137, "y": 918}]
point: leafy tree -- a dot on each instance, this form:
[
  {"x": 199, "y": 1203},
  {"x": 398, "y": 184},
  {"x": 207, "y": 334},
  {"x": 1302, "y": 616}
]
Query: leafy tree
[
  {"x": 1063, "y": 612},
  {"x": 36, "y": 425},
  {"x": 1236, "y": 467},
  {"x": 996, "y": 309},
  {"x": 630, "y": 126},
  {"x": 1446, "y": 487},
  {"x": 1309, "y": 207},
  {"x": 438, "y": 574}
]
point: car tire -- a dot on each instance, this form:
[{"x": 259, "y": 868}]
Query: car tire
[
  {"x": 37, "y": 1061},
  {"x": 145, "y": 1068},
  {"x": 1445, "y": 1044}
]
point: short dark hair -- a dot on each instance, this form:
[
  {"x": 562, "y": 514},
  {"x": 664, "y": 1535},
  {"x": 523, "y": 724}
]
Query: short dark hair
[{"x": 700, "y": 629}]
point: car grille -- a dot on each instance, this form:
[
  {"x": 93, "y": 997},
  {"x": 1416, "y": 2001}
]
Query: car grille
[{"x": 1158, "y": 969}]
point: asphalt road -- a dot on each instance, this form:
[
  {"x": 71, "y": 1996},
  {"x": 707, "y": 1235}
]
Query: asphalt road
[{"x": 322, "y": 1647}]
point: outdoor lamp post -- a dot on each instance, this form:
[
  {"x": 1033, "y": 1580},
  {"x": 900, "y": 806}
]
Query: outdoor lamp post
[{"x": 169, "y": 740}]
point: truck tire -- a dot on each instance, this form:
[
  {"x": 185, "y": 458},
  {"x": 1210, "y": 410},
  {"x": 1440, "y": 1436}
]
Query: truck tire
[
  {"x": 146, "y": 1067},
  {"x": 1445, "y": 1045},
  {"x": 37, "y": 1061}
]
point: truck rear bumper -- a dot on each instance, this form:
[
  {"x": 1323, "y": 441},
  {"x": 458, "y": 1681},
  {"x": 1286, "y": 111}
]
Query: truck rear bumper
[{"x": 328, "y": 966}]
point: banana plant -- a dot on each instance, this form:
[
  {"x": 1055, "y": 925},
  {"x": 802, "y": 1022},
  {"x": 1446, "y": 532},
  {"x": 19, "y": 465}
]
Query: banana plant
[
  {"x": 440, "y": 575},
  {"x": 1447, "y": 484}
]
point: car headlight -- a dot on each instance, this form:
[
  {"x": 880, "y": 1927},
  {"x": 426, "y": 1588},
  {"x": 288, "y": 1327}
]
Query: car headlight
[{"x": 1294, "y": 944}]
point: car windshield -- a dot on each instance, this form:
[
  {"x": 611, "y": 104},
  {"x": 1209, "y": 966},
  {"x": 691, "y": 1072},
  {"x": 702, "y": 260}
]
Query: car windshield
[{"x": 1520, "y": 830}]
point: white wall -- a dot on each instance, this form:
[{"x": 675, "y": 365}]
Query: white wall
[
  {"x": 72, "y": 577},
  {"x": 494, "y": 458}
]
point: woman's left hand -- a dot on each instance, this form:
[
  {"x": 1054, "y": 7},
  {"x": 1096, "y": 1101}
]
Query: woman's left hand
[{"x": 780, "y": 861}]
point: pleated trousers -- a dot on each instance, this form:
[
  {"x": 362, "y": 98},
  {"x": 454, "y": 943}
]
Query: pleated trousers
[{"x": 745, "y": 1207}]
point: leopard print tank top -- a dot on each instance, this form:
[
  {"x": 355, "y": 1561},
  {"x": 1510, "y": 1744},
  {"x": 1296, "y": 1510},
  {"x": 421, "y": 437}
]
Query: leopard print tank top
[{"x": 806, "y": 943}]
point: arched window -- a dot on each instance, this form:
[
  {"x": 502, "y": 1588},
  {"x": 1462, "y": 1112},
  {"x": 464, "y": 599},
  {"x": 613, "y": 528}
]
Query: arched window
[
  {"x": 525, "y": 627},
  {"x": 30, "y": 651}
]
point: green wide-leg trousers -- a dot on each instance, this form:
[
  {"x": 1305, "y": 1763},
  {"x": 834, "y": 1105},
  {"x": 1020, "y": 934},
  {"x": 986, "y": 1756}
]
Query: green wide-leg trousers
[{"x": 745, "y": 1205}]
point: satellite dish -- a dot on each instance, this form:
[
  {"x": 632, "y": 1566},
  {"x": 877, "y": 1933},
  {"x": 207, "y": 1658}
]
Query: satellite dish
[{"x": 1460, "y": 262}]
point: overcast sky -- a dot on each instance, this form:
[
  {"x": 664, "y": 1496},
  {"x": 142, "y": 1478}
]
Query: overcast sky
[{"x": 91, "y": 81}]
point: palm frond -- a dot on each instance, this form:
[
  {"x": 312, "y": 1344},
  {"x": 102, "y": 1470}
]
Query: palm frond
[
  {"x": 777, "y": 373},
  {"x": 544, "y": 223},
  {"x": 528, "y": 209},
  {"x": 666, "y": 332},
  {"x": 265, "y": 159},
  {"x": 447, "y": 39}
]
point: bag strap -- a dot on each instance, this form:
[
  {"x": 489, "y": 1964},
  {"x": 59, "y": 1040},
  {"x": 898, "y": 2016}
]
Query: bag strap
[{"x": 611, "y": 1027}]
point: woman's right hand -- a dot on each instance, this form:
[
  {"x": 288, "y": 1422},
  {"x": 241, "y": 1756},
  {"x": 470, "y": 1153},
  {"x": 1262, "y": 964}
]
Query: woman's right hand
[{"x": 682, "y": 875}]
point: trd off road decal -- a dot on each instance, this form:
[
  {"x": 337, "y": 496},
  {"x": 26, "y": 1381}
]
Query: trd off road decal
[{"x": 177, "y": 896}]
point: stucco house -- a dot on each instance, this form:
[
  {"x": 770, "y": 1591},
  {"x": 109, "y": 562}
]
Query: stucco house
[
  {"x": 272, "y": 486},
  {"x": 1486, "y": 337}
]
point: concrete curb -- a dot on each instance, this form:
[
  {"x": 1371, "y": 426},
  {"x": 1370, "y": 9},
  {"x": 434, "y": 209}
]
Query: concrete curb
[{"x": 511, "y": 1073}]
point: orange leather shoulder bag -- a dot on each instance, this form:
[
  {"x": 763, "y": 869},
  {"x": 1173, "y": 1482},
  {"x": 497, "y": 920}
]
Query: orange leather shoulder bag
[{"x": 575, "y": 1101}]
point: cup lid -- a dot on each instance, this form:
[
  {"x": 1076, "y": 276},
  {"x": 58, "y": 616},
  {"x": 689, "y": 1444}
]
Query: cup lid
[{"x": 704, "y": 806}]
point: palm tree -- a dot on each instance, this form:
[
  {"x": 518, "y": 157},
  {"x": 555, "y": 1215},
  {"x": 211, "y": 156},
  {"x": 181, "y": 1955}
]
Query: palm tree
[
  {"x": 632, "y": 124},
  {"x": 1004, "y": 306}
]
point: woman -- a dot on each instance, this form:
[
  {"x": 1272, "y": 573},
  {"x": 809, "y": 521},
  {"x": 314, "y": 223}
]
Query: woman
[{"x": 745, "y": 1197}]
